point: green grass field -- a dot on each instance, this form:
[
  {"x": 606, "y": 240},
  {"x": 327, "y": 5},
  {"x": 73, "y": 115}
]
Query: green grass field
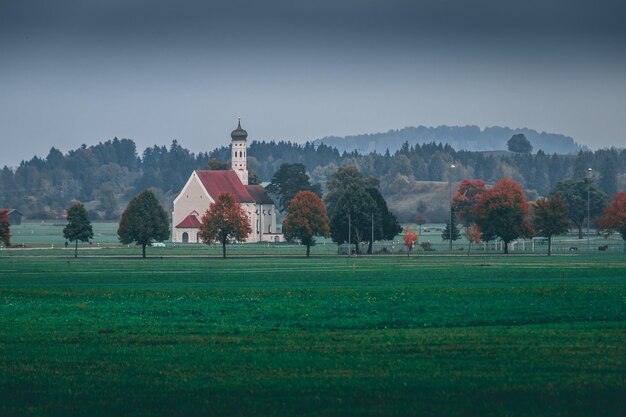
[{"x": 327, "y": 336}]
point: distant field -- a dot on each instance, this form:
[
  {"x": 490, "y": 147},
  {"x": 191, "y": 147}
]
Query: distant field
[
  {"x": 47, "y": 238},
  {"x": 329, "y": 336}
]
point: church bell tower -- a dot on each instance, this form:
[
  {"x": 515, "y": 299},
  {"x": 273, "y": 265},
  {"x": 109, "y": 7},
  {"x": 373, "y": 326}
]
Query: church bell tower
[{"x": 239, "y": 159}]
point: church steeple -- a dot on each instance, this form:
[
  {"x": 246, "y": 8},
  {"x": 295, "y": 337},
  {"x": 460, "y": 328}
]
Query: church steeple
[{"x": 239, "y": 161}]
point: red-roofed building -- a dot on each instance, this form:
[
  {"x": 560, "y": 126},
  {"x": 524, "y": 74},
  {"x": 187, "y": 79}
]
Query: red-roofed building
[{"x": 204, "y": 186}]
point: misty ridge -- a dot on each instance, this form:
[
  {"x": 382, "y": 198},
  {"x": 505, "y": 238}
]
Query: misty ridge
[
  {"x": 413, "y": 176},
  {"x": 468, "y": 138}
]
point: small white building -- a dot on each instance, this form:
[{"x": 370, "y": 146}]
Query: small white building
[{"x": 204, "y": 186}]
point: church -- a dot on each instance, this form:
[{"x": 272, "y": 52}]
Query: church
[{"x": 204, "y": 186}]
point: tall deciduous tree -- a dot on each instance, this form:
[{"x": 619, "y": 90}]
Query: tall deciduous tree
[
  {"x": 351, "y": 220},
  {"x": 288, "y": 181},
  {"x": 306, "y": 219},
  {"x": 574, "y": 194},
  {"x": 550, "y": 218},
  {"x": 614, "y": 218},
  {"x": 340, "y": 180},
  {"x": 502, "y": 212},
  {"x": 143, "y": 221},
  {"x": 465, "y": 199},
  {"x": 78, "y": 226},
  {"x": 225, "y": 219},
  {"x": 5, "y": 228}
]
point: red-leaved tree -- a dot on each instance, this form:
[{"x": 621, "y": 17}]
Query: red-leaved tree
[
  {"x": 5, "y": 232},
  {"x": 550, "y": 218},
  {"x": 224, "y": 220},
  {"x": 466, "y": 198},
  {"x": 306, "y": 218},
  {"x": 502, "y": 212},
  {"x": 410, "y": 239},
  {"x": 614, "y": 218}
]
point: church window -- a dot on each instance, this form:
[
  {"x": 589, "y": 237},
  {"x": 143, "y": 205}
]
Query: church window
[{"x": 185, "y": 237}]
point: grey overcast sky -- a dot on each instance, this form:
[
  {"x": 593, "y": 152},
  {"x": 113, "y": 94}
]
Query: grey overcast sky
[{"x": 84, "y": 71}]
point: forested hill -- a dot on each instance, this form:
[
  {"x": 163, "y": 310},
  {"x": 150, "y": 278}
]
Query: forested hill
[
  {"x": 470, "y": 138},
  {"x": 413, "y": 179}
]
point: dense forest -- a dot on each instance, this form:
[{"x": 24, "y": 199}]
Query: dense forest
[{"x": 414, "y": 179}]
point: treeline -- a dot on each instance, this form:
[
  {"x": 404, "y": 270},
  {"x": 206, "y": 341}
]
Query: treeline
[{"x": 105, "y": 176}]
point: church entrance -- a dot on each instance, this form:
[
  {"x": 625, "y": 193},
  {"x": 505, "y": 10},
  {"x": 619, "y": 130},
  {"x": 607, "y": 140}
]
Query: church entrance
[{"x": 185, "y": 237}]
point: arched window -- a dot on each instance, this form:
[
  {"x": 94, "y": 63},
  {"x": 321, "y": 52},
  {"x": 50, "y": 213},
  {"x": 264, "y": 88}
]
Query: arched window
[{"x": 185, "y": 237}]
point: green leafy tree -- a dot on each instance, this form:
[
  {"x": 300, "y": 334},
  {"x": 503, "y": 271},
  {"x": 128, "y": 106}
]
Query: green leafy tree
[
  {"x": 225, "y": 219},
  {"x": 351, "y": 220},
  {"x": 550, "y": 218},
  {"x": 342, "y": 179},
  {"x": 288, "y": 181},
  {"x": 215, "y": 164},
  {"x": 456, "y": 233},
  {"x": 144, "y": 220},
  {"x": 78, "y": 226},
  {"x": 574, "y": 194},
  {"x": 5, "y": 228},
  {"x": 502, "y": 212},
  {"x": 306, "y": 218},
  {"x": 519, "y": 144}
]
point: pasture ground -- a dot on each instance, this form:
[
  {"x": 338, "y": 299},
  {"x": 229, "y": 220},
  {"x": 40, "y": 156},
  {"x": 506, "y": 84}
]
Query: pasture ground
[{"x": 326, "y": 336}]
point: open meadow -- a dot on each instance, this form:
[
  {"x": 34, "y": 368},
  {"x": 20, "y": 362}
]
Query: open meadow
[{"x": 333, "y": 336}]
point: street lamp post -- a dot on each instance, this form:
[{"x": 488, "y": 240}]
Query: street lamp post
[
  {"x": 588, "y": 205},
  {"x": 450, "y": 187}
]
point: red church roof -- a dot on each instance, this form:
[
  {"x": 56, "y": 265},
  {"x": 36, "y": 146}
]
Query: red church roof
[
  {"x": 227, "y": 181},
  {"x": 189, "y": 222},
  {"x": 218, "y": 182}
]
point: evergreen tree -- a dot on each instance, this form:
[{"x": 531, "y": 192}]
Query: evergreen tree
[{"x": 456, "y": 233}]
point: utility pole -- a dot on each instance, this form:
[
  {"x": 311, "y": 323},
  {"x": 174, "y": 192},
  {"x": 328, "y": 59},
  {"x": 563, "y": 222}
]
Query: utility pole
[
  {"x": 349, "y": 235},
  {"x": 372, "y": 234},
  {"x": 588, "y": 205}
]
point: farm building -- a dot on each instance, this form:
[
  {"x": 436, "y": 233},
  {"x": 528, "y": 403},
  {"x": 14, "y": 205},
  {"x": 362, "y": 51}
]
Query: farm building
[
  {"x": 204, "y": 186},
  {"x": 14, "y": 216}
]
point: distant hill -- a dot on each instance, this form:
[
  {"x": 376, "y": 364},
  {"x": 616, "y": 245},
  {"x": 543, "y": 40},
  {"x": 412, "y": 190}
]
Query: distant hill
[{"x": 470, "y": 138}]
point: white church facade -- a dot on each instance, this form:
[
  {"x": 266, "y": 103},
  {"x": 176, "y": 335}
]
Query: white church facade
[{"x": 204, "y": 186}]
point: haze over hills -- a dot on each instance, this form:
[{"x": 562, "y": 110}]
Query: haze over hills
[{"x": 470, "y": 138}]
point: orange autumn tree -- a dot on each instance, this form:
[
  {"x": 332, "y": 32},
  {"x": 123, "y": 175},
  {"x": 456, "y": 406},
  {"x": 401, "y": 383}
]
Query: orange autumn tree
[
  {"x": 225, "y": 219},
  {"x": 502, "y": 212},
  {"x": 614, "y": 218},
  {"x": 306, "y": 218},
  {"x": 410, "y": 239},
  {"x": 465, "y": 200}
]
